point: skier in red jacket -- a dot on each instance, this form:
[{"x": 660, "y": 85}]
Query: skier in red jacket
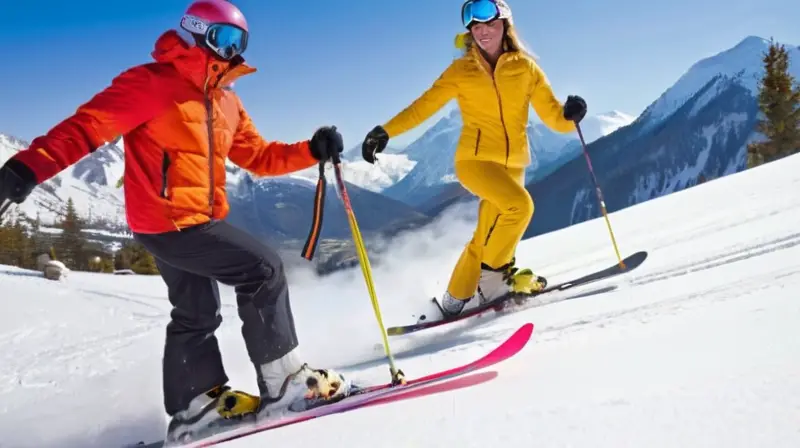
[{"x": 180, "y": 121}]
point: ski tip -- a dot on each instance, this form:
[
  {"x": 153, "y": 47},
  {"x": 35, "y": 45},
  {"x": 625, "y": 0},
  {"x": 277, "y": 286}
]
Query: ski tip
[
  {"x": 635, "y": 259},
  {"x": 524, "y": 332}
]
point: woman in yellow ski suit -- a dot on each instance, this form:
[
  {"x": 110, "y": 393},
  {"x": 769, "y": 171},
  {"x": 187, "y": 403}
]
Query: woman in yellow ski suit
[{"x": 494, "y": 83}]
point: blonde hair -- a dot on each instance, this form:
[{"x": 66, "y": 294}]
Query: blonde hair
[{"x": 511, "y": 41}]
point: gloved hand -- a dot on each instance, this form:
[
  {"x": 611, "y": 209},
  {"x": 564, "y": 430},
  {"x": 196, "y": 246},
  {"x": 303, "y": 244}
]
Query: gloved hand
[
  {"x": 374, "y": 143},
  {"x": 575, "y": 108},
  {"x": 17, "y": 181},
  {"x": 326, "y": 144}
]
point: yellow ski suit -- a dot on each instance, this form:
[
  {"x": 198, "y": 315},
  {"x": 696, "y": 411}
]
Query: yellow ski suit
[{"x": 492, "y": 152}]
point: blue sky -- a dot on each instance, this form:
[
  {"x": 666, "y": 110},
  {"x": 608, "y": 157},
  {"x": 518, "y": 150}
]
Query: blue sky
[{"x": 356, "y": 63}]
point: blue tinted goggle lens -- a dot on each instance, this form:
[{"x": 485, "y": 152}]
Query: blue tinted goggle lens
[
  {"x": 479, "y": 11},
  {"x": 226, "y": 40}
]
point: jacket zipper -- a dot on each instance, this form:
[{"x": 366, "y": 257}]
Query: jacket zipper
[
  {"x": 477, "y": 141},
  {"x": 210, "y": 129},
  {"x": 502, "y": 120},
  {"x": 499, "y": 104},
  {"x": 164, "y": 167}
]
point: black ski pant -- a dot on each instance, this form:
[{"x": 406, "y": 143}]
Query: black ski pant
[{"x": 191, "y": 262}]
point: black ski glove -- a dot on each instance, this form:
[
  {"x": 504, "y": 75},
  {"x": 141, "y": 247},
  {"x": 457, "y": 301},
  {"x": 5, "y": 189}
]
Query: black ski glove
[
  {"x": 326, "y": 144},
  {"x": 17, "y": 181},
  {"x": 575, "y": 108},
  {"x": 374, "y": 143}
]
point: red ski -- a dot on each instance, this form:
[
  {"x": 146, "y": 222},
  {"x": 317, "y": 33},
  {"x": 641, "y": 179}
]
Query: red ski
[{"x": 447, "y": 380}]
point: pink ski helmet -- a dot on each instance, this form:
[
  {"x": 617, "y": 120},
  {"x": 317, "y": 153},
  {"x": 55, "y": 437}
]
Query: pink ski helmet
[{"x": 217, "y": 25}]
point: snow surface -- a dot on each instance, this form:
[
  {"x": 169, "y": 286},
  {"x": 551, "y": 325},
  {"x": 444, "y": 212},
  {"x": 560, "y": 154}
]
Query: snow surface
[{"x": 698, "y": 347}]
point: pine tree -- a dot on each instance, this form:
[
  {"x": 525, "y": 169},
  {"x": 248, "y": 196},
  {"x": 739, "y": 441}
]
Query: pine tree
[
  {"x": 70, "y": 244},
  {"x": 16, "y": 247},
  {"x": 24, "y": 249},
  {"x": 135, "y": 257},
  {"x": 108, "y": 265},
  {"x": 779, "y": 101},
  {"x": 122, "y": 259},
  {"x": 144, "y": 264}
]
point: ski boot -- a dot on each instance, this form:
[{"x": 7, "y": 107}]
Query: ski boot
[
  {"x": 289, "y": 384},
  {"x": 215, "y": 411},
  {"x": 495, "y": 283},
  {"x": 452, "y": 307}
]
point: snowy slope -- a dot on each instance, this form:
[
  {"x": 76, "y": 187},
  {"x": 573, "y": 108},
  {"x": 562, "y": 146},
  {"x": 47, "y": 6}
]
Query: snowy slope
[{"x": 698, "y": 347}]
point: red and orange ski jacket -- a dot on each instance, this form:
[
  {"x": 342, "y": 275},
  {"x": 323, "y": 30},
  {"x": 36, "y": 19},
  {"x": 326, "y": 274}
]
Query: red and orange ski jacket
[{"x": 179, "y": 122}]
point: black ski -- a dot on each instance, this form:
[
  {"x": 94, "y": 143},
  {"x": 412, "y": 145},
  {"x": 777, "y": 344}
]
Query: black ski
[{"x": 631, "y": 262}]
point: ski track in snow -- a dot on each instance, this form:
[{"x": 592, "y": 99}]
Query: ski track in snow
[{"x": 697, "y": 347}]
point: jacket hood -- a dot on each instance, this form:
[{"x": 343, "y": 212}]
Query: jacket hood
[{"x": 195, "y": 63}]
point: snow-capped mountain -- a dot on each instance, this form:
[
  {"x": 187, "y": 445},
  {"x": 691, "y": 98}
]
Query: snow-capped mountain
[
  {"x": 741, "y": 64},
  {"x": 91, "y": 183},
  {"x": 696, "y": 131},
  {"x": 9, "y": 146},
  {"x": 433, "y": 153},
  {"x": 279, "y": 211},
  {"x": 388, "y": 169},
  {"x": 595, "y": 126}
]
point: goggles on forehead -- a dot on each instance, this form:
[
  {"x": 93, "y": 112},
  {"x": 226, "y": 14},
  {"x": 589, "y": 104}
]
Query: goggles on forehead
[
  {"x": 223, "y": 39},
  {"x": 482, "y": 11}
]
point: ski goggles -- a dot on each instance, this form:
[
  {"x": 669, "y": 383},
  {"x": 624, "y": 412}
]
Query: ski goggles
[
  {"x": 223, "y": 39},
  {"x": 482, "y": 11}
]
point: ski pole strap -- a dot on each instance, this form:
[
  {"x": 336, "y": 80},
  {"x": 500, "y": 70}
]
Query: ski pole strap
[
  {"x": 316, "y": 220},
  {"x": 4, "y": 204}
]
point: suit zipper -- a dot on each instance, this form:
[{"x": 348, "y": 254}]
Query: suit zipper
[
  {"x": 502, "y": 120},
  {"x": 477, "y": 142}
]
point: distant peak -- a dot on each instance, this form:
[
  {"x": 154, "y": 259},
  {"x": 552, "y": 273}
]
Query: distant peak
[
  {"x": 752, "y": 40},
  {"x": 10, "y": 139},
  {"x": 614, "y": 114}
]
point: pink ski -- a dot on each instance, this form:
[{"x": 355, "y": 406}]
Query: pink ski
[{"x": 447, "y": 380}]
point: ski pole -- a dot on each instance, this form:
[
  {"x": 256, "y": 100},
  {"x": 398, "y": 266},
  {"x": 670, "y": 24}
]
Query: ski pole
[
  {"x": 599, "y": 195},
  {"x": 397, "y": 375}
]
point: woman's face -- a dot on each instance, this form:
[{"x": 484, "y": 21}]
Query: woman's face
[{"x": 489, "y": 35}]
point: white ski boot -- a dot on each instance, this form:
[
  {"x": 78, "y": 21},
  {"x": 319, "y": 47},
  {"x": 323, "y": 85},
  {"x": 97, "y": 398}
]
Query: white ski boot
[{"x": 288, "y": 383}]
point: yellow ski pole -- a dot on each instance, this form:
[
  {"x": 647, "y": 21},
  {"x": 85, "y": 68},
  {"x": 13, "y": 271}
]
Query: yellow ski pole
[
  {"x": 599, "y": 196},
  {"x": 397, "y": 375}
]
